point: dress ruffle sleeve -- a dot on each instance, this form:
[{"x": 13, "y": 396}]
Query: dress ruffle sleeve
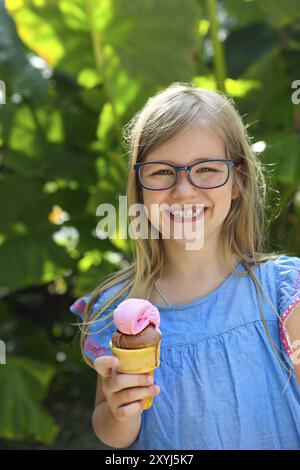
[
  {"x": 287, "y": 270},
  {"x": 97, "y": 341}
]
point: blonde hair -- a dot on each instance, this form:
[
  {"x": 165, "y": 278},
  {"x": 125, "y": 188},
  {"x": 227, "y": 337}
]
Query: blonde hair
[{"x": 178, "y": 107}]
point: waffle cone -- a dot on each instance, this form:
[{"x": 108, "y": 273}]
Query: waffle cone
[{"x": 138, "y": 361}]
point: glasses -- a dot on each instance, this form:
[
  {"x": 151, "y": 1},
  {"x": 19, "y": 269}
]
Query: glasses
[{"x": 206, "y": 174}]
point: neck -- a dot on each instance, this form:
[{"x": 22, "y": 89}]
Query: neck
[{"x": 187, "y": 265}]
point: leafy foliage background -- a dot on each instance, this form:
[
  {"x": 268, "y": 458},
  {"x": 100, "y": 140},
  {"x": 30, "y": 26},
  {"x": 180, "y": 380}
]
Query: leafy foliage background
[{"x": 75, "y": 73}]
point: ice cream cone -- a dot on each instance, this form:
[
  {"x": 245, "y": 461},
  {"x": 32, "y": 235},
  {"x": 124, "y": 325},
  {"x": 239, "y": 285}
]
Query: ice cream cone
[{"x": 138, "y": 361}]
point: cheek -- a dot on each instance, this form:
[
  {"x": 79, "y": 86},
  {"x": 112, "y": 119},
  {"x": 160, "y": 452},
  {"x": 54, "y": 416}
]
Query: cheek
[
  {"x": 151, "y": 199},
  {"x": 221, "y": 199}
]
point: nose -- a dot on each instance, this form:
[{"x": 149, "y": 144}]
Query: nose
[{"x": 183, "y": 184}]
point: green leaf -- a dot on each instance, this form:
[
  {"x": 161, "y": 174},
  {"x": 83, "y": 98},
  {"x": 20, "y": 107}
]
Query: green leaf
[
  {"x": 27, "y": 216},
  {"x": 281, "y": 12},
  {"x": 30, "y": 208},
  {"x": 124, "y": 42},
  {"x": 283, "y": 149},
  {"x": 32, "y": 259},
  {"x": 71, "y": 165},
  {"x": 22, "y": 134},
  {"x": 246, "y": 46},
  {"x": 20, "y": 76},
  {"x": 273, "y": 107},
  {"x": 147, "y": 35},
  {"x": 278, "y": 13},
  {"x": 44, "y": 28},
  {"x": 242, "y": 13},
  {"x": 24, "y": 384}
]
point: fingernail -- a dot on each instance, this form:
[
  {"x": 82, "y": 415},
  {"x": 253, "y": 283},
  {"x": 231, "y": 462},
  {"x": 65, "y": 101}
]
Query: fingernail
[
  {"x": 157, "y": 389},
  {"x": 150, "y": 379}
]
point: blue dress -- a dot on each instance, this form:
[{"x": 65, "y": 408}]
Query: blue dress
[{"x": 222, "y": 386}]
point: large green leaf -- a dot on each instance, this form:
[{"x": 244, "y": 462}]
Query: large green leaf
[
  {"x": 281, "y": 12},
  {"x": 283, "y": 153},
  {"x": 150, "y": 34},
  {"x": 44, "y": 28},
  {"x": 22, "y": 202},
  {"x": 246, "y": 46},
  {"x": 121, "y": 42},
  {"x": 29, "y": 130},
  {"x": 242, "y": 13},
  {"x": 272, "y": 109},
  {"x": 24, "y": 132},
  {"x": 20, "y": 76},
  {"x": 27, "y": 250},
  {"x": 24, "y": 385},
  {"x": 31, "y": 259},
  {"x": 65, "y": 27}
]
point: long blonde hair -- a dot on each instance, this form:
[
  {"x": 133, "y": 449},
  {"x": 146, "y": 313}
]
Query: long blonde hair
[{"x": 178, "y": 107}]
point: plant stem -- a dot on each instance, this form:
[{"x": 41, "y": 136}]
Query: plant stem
[
  {"x": 100, "y": 60},
  {"x": 219, "y": 60}
]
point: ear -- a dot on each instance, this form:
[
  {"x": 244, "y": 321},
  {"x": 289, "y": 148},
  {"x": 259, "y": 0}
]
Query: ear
[{"x": 238, "y": 181}]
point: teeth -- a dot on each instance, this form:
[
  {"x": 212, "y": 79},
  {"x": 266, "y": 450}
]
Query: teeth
[{"x": 188, "y": 213}]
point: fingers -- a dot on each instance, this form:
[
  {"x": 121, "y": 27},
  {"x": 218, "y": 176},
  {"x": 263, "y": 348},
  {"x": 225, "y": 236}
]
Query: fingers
[
  {"x": 106, "y": 365},
  {"x": 129, "y": 402},
  {"x": 129, "y": 395},
  {"x": 122, "y": 381},
  {"x": 126, "y": 411},
  {"x": 124, "y": 393}
]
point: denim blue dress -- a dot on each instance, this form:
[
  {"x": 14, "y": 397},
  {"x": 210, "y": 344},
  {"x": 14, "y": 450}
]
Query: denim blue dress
[{"x": 222, "y": 386}]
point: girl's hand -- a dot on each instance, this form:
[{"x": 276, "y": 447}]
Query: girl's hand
[{"x": 124, "y": 393}]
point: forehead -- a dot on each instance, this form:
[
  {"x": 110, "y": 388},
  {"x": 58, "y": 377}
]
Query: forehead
[{"x": 189, "y": 146}]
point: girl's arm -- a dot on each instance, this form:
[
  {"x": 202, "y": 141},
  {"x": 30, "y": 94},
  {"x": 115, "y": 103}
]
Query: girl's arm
[
  {"x": 118, "y": 434},
  {"x": 116, "y": 419}
]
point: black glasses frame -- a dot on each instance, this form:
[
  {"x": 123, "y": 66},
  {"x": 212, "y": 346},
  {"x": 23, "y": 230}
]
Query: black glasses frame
[{"x": 187, "y": 168}]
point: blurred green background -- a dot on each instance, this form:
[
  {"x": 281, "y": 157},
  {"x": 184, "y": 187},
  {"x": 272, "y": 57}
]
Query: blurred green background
[{"x": 75, "y": 72}]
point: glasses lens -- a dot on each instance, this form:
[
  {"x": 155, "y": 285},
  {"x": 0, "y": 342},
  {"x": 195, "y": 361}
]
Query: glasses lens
[
  {"x": 157, "y": 175},
  {"x": 209, "y": 174}
]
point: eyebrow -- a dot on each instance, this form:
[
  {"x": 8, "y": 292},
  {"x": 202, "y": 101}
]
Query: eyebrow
[{"x": 199, "y": 159}]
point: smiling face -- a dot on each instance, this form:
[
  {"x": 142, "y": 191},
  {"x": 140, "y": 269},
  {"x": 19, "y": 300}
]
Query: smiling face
[{"x": 184, "y": 149}]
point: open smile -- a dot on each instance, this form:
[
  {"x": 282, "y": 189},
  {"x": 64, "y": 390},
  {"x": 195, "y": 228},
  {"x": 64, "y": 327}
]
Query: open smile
[{"x": 187, "y": 216}]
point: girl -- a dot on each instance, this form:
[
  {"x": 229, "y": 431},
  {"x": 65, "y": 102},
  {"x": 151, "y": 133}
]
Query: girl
[{"x": 229, "y": 376}]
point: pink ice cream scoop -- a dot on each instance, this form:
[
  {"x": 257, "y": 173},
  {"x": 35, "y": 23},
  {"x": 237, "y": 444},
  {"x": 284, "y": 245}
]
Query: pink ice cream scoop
[{"x": 134, "y": 315}]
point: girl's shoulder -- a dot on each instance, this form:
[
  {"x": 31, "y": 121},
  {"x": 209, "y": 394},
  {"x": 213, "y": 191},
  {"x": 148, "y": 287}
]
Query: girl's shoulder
[
  {"x": 285, "y": 271},
  {"x": 78, "y": 307},
  {"x": 280, "y": 276}
]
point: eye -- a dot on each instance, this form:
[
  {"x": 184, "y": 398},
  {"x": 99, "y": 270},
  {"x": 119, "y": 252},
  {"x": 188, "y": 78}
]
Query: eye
[
  {"x": 161, "y": 172},
  {"x": 202, "y": 170}
]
